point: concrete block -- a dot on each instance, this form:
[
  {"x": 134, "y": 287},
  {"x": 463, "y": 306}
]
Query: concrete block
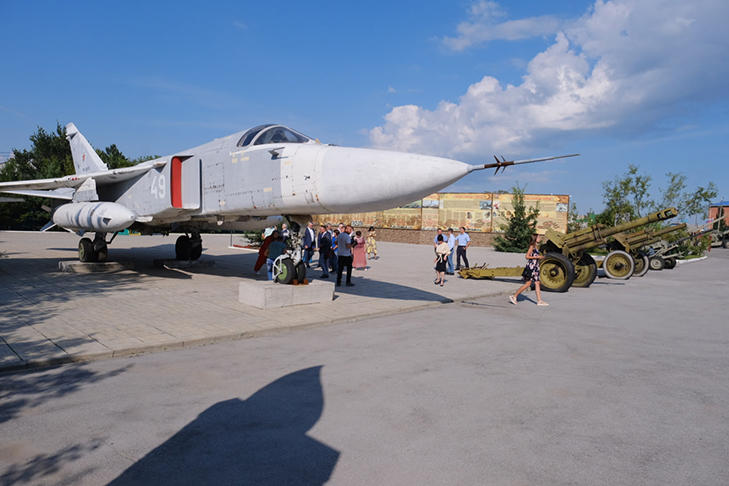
[
  {"x": 182, "y": 264},
  {"x": 82, "y": 267},
  {"x": 270, "y": 295}
]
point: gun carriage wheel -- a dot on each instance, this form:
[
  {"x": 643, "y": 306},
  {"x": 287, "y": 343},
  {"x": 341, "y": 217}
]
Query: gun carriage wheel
[
  {"x": 670, "y": 263},
  {"x": 657, "y": 263},
  {"x": 618, "y": 265},
  {"x": 556, "y": 272},
  {"x": 585, "y": 271},
  {"x": 641, "y": 262}
]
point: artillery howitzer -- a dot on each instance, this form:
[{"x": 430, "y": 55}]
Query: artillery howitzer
[
  {"x": 566, "y": 261},
  {"x": 632, "y": 243},
  {"x": 664, "y": 254}
]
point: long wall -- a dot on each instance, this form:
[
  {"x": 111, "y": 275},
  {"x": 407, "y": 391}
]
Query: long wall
[{"x": 482, "y": 214}]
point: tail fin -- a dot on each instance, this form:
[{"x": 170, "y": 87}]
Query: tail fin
[{"x": 85, "y": 157}]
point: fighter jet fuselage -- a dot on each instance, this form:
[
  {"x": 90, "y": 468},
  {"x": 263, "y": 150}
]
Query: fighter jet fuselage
[{"x": 243, "y": 181}]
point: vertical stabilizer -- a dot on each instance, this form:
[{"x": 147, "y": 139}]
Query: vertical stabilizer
[{"x": 85, "y": 158}]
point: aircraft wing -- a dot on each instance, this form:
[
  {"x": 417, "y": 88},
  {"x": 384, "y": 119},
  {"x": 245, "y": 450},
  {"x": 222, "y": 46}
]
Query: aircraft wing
[{"x": 48, "y": 187}]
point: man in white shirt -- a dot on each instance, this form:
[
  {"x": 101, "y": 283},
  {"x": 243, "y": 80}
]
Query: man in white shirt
[
  {"x": 463, "y": 241},
  {"x": 344, "y": 244}
]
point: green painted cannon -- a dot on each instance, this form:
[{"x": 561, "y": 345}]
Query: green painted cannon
[
  {"x": 665, "y": 254},
  {"x": 567, "y": 262},
  {"x": 631, "y": 243}
]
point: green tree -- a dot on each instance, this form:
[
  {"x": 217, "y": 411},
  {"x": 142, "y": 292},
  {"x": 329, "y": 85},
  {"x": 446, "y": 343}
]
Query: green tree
[
  {"x": 520, "y": 227},
  {"x": 49, "y": 157},
  {"x": 687, "y": 203},
  {"x": 626, "y": 197},
  {"x": 573, "y": 223}
]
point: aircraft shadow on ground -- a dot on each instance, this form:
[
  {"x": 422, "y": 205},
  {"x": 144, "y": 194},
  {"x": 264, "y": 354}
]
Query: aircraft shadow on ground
[{"x": 259, "y": 441}]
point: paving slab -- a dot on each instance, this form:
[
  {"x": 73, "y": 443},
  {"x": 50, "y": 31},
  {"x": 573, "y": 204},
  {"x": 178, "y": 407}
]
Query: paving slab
[{"x": 50, "y": 316}]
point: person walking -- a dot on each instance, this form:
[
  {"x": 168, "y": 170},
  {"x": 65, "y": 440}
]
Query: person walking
[
  {"x": 372, "y": 243},
  {"x": 463, "y": 241},
  {"x": 441, "y": 259},
  {"x": 344, "y": 247},
  {"x": 451, "y": 240},
  {"x": 533, "y": 257}
]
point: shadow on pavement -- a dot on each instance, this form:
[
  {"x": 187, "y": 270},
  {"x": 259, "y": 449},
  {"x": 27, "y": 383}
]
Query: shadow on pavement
[
  {"x": 34, "y": 470},
  {"x": 261, "y": 440},
  {"x": 29, "y": 389}
]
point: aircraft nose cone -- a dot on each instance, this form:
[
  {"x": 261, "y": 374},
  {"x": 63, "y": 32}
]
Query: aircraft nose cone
[{"x": 381, "y": 179}]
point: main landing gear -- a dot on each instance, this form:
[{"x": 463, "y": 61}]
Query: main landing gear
[
  {"x": 189, "y": 247},
  {"x": 96, "y": 250}
]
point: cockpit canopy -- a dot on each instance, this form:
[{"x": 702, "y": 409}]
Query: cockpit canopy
[{"x": 264, "y": 134}]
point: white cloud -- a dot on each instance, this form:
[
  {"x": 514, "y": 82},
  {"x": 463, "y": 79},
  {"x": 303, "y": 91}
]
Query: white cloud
[
  {"x": 625, "y": 68},
  {"x": 484, "y": 25},
  {"x": 240, "y": 25}
]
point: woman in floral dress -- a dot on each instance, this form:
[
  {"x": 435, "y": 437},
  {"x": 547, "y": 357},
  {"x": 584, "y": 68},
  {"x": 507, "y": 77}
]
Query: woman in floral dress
[{"x": 533, "y": 257}]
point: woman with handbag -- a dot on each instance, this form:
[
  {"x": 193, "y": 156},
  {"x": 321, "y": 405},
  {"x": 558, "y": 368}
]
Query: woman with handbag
[{"x": 531, "y": 272}]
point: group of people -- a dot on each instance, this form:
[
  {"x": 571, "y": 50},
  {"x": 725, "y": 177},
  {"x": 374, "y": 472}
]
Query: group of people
[
  {"x": 339, "y": 249},
  {"x": 444, "y": 245}
]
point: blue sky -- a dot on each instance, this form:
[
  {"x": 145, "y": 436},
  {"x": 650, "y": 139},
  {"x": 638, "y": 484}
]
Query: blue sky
[{"x": 620, "y": 81}]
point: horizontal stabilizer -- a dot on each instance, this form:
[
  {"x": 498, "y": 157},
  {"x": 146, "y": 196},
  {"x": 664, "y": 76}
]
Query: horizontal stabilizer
[{"x": 66, "y": 193}]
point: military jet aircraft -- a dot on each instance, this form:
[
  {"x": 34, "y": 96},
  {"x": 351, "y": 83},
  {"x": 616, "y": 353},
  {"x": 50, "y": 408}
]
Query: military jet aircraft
[{"x": 244, "y": 181}]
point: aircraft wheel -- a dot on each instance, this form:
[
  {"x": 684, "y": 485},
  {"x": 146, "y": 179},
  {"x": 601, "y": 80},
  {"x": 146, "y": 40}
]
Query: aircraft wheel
[
  {"x": 618, "y": 265},
  {"x": 102, "y": 254},
  {"x": 86, "y": 250},
  {"x": 196, "y": 252},
  {"x": 585, "y": 271},
  {"x": 641, "y": 264},
  {"x": 183, "y": 248},
  {"x": 670, "y": 263},
  {"x": 657, "y": 263},
  {"x": 283, "y": 270},
  {"x": 300, "y": 272},
  {"x": 556, "y": 272}
]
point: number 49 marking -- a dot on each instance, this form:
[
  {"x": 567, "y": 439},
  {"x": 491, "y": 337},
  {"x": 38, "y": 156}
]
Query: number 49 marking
[{"x": 159, "y": 188}]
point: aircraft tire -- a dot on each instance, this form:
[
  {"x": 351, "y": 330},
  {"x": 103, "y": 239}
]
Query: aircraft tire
[
  {"x": 283, "y": 271},
  {"x": 102, "y": 254},
  {"x": 196, "y": 252},
  {"x": 183, "y": 248},
  {"x": 86, "y": 251},
  {"x": 300, "y": 272}
]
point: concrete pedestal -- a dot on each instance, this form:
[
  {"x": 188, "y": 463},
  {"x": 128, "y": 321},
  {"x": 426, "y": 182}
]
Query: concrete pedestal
[
  {"x": 84, "y": 267},
  {"x": 270, "y": 295}
]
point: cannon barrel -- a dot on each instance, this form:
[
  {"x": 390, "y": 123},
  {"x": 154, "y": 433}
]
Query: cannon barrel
[
  {"x": 598, "y": 234},
  {"x": 636, "y": 240}
]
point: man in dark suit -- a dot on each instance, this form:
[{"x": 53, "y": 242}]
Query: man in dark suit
[
  {"x": 324, "y": 243},
  {"x": 309, "y": 243}
]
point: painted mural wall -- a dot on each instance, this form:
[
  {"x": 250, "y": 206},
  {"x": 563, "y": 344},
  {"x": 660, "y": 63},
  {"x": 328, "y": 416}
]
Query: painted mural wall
[{"x": 478, "y": 212}]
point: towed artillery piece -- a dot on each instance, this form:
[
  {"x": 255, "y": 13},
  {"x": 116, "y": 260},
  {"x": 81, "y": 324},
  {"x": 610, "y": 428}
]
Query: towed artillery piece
[
  {"x": 572, "y": 248},
  {"x": 566, "y": 262},
  {"x": 664, "y": 254},
  {"x": 632, "y": 243}
]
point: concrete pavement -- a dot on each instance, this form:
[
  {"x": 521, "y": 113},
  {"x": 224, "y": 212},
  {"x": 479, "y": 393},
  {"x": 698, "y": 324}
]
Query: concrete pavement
[{"x": 49, "y": 317}]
